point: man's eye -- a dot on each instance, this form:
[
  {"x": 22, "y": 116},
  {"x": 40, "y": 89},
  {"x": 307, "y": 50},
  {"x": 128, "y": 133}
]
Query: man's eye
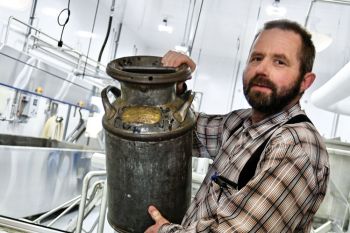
[
  {"x": 252, "y": 59},
  {"x": 280, "y": 62}
]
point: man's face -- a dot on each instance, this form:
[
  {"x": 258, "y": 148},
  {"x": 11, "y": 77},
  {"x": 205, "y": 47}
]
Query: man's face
[{"x": 271, "y": 80}]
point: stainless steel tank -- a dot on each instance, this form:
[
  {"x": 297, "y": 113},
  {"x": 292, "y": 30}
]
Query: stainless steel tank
[{"x": 148, "y": 132}]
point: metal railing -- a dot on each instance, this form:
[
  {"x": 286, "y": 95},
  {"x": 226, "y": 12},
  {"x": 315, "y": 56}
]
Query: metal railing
[{"x": 48, "y": 44}]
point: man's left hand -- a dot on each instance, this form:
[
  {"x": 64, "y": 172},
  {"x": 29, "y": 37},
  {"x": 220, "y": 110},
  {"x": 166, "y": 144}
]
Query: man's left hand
[{"x": 158, "y": 218}]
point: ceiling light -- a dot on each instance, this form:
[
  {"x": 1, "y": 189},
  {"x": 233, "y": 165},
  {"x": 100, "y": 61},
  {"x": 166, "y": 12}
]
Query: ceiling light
[
  {"x": 164, "y": 27},
  {"x": 276, "y": 10},
  {"x": 20, "y": 5}
]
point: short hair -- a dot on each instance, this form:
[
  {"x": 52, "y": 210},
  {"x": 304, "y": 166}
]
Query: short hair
[{"x": 307, "y": 50}]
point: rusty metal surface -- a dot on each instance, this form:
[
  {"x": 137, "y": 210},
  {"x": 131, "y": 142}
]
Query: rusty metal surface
[
  {"x": 145, "y": 70},
  {"x": 149, "y": 151},
  {"x": 144, "y": 173}
]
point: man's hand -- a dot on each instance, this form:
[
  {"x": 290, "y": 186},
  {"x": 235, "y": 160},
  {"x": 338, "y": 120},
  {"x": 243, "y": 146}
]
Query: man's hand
[
  {"x": 158, "y": 218},
  {"x": 175, "y": 59}
]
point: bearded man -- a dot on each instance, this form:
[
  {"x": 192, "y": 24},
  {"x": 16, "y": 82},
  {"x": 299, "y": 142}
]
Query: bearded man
[{"x": 270, "y": 165}]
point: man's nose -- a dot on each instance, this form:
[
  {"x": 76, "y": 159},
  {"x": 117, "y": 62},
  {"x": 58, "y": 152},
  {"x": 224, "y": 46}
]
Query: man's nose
[{"x": 263, "y": 67}]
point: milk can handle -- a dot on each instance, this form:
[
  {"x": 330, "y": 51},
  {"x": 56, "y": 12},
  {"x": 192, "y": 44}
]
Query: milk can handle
[{"x": 109, "y": 108}]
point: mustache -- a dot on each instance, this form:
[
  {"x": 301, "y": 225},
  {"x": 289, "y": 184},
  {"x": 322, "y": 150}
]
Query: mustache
[{"x": 261, "y": 81}]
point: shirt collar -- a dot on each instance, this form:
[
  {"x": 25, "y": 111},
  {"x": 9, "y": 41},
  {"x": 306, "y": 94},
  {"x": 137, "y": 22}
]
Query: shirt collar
[{"x": 260, "y": 128}]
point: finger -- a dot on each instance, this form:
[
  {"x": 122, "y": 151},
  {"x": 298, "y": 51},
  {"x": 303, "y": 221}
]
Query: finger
[
  {"x": 166, "y": 57},
  {"x": 155, "y": 214},
  {"x": 175, "y": 59}
]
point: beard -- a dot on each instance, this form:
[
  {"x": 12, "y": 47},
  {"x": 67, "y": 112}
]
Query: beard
[{"x": 274, "y": 101}]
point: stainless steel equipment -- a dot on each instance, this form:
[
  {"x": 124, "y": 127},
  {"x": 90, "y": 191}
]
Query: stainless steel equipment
[
  {"x": 334, "y": 212},
  {"x": 148, "y": 142},
  {"x": 37, "y": 175},
  {"x": 11, "y": 225}
]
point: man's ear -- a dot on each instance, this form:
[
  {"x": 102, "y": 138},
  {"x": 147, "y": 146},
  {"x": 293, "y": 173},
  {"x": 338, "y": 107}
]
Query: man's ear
[{"x": 308, "y": 79}]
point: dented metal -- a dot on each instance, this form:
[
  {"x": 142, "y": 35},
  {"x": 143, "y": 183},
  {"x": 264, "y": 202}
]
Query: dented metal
[{"x": 148, "y": 149}]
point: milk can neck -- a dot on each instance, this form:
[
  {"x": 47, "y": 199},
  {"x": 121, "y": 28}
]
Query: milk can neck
[{"x": 148, "y": 94}]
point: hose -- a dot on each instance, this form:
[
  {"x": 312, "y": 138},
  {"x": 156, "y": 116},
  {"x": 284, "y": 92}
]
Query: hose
[{"x": 106, "y": 38}]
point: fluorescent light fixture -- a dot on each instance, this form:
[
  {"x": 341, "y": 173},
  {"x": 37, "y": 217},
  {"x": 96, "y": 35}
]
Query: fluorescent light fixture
[
  {"x": 20, "y": 5},
  {"x": 86, "y": 34},
  {"x": 165, "y": 28},
  {"x": 49, "y": 11},
  {"x": 321, "y": 40},
  {"x": 278, "y": 11}
]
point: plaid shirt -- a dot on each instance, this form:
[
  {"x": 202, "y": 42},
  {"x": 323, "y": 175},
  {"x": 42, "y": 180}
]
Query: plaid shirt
[{"x": 288, "y": 186}]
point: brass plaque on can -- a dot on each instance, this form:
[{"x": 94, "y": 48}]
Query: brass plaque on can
[{"x": 141, "y": 115}]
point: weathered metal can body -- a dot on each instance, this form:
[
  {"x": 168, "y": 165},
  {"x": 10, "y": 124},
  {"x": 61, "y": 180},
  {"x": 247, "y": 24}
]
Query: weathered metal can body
[{"x": 148, "y": 131}]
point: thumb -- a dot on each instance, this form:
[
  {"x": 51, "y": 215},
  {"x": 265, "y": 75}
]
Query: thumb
[{"x": 155, "y": 214}]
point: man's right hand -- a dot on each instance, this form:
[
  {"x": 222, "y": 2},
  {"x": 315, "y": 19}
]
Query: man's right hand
[{"x": 175, "y": 59}]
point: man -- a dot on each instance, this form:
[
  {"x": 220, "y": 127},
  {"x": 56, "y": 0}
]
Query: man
[{"x": 289, "y": 178}]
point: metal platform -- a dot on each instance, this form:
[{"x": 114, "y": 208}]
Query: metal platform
[{"x": 10, "y": 225}]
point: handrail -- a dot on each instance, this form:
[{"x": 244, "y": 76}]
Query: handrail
[{"x": 68, "y": 50}]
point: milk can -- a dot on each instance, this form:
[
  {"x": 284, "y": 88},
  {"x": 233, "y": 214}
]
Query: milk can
[{"x": 148, "y": 132}]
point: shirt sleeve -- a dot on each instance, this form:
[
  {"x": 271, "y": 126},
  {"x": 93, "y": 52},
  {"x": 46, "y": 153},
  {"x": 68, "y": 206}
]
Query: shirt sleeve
[
  {"x": 284, "y": 195},
  {"x": 207, "y": 135}
]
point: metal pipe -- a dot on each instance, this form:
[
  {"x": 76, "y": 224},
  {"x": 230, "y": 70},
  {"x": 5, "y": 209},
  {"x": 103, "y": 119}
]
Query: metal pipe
[
  {"x": 21, "y": 226},
  {"x": 194, "y": 86},
  {"x": 86, "y": 181},
  {"x": 38, "y": 220},
  {"x": 103, "y": 209},
  {"x": 338, "y": 151},
  {"x": 326, "y": 227},
  {"x": 335, "y": 125},
  {"x": 117, "y": 33},
  {"x": 94, "y": 197},
  {"x": 63, "y": 213},
  {"x": 308, "y": 13},
  {"x": 69, "y": 52},
  {"x": 93, "y": 76},
  {"x": 344, "y": 2},
  {"x": 69, "y": 49},
  {"x": 93, "y": 226},
  {"x": 235, "y": 75},
  {"x": 107, "y": 34},
  {"x": 32, "y": 13},
  {"x": 30, "y": 22},
  {"x": 66, "y": 122},
  {"x": 11, "y": 18},
  {"x": 187, "y": 23},
  {"x": 196, "y": 28},
  {"x": 116, "y": 42},
  {"x": 67, "y": 59}
]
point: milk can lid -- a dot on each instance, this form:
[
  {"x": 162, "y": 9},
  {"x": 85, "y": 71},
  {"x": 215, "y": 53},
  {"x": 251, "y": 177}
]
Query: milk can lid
[{"x": 146, "y": 70}]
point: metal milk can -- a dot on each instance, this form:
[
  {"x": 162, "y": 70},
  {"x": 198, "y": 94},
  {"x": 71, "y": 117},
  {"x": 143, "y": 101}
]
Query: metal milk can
[{"x": 148, "y": 131}]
